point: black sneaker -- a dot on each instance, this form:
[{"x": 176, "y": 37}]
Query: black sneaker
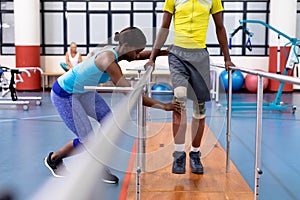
[
  {"x": 108, "y": 177},
  {"x": 195, "y": 163},
  {"x": 57, "y": 168},
  {"x": 179, "y": 162}
]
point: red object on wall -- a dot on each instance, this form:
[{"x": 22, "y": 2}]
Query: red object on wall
[
  {"x": 274, "y": 85},
  {"x": 29, "y": 56}
]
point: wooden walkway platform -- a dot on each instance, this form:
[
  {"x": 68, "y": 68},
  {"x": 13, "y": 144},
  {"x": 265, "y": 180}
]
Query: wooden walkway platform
[{"x": 159, "y": 183}]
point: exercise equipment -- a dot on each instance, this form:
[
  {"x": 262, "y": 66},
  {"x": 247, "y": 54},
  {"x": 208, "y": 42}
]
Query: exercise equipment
[
  {"x": 292, "y": 60},
  {"x": 237, "y": 80},
  {"x": 8, "y": 85},
  {"x": 64, "y": 66},
  {"x": 246, "y": 32},
  {"x": 251, "y": 82},
  {"x": 161, "y": 88}
]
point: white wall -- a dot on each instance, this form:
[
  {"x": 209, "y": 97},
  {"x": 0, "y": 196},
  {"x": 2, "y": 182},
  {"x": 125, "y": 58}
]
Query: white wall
[
  {"x": 8, "y": 61},
  {"x": 161, "y": 74},
  {"x": 247, "y": 62},
  {"x": 285, "y": 21},
  {"x": 51, "y": 63}
]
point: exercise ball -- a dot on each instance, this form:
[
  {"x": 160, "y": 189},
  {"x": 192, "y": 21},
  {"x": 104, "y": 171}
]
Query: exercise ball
[
  {"x": 162, "y": 88},
  {"x": 237, "y": 80},
  {"x": 251, "y": 82}
]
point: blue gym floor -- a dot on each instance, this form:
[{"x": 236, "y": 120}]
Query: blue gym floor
[{"x": 28, "y": 136}]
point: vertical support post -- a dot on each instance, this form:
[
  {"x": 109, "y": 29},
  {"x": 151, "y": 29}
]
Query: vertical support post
[
  {"x": 27, "y": 43},
  {"x": 213, "y": 80},
  {"x": 258, "y": 171},
  {"x": 140, "y": 117},
  {"x": 229, "y": 109},
  {"x": 139, "y": 74},
  {"x": 217, "y": 86},
  {"x": 143, "y": 139}
]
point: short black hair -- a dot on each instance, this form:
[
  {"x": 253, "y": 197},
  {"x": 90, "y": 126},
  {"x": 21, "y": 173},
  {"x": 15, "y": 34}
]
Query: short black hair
[{"x": 132, "y": 36}]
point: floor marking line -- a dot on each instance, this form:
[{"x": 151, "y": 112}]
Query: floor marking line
[{"x": 125, "y": 185}]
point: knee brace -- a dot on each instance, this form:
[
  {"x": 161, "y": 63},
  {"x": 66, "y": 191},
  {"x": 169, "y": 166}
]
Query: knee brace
[
  {"x": 199, "y": 110},
  {"x": 180, "y": 94}
]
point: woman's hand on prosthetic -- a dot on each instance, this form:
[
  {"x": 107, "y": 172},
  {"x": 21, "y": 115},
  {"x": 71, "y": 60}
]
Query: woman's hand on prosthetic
[{"x": 174, "y": 106}]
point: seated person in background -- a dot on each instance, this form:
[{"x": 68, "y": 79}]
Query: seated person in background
[{"x": 72, "y": 57}]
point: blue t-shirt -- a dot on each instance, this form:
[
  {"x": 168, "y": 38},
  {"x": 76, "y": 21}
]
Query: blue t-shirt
[{"x": 83, "y": 74}]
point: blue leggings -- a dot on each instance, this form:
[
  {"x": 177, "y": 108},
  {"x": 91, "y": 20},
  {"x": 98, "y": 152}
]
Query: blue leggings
[{"x": 75, "y": 109}]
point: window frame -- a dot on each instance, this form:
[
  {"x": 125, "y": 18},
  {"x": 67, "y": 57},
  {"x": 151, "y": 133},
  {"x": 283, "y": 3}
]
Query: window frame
[{"x": 131, "y": 13}]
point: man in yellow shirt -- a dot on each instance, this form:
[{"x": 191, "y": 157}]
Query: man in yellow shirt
[{"x": 189, "y": 67}]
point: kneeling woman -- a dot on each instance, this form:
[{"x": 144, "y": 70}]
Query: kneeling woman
[{"x": 74, "y": 104}]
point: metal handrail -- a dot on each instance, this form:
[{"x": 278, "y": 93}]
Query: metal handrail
[
  {"x": 71, "y": 187},
  {"x": 278, "y": 77},
  {"x": 261, "y": 75},
  {"x": 108, "y": 89}
]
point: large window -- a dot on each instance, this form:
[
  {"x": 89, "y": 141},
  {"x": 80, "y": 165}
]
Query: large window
[
  {"x": 94, "y": 22},
  {"x": 7, "y": 31},
  {"x": 298, "y": 20},
  {"x": 247, "y": 10}
]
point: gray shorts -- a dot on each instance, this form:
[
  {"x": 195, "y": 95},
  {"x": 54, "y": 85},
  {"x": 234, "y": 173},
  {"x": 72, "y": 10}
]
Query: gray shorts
[{"x": 190, "y": 68}]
